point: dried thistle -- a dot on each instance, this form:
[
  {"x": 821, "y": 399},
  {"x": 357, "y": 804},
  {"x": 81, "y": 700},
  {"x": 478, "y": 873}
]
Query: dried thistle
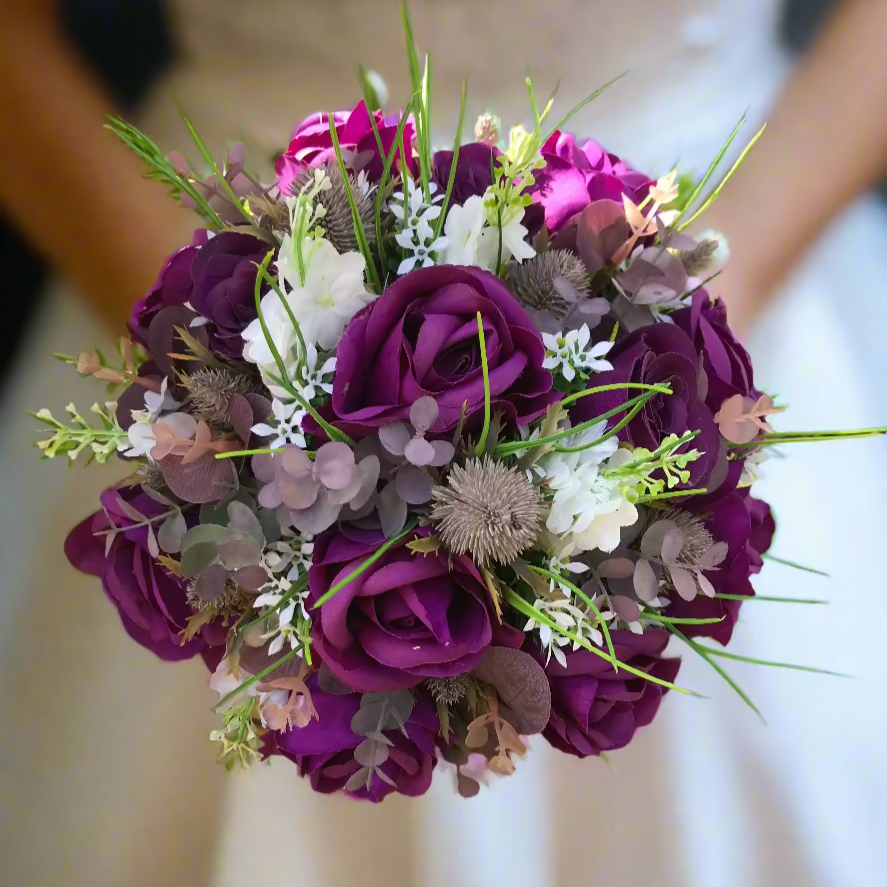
[
  {"x": 210, "y": 392},
  {"x": 549, "y": 281},
  {"x": 338, "y": 221},
  {"x": 271, "y": 214},
  {"x": 229, "y": 605},
  {"x": 448, "y": 691},
  {"x": 487, "y": 130},
  {"x": 151, "y": 476},
  {"x": 487, "y": 510},
  {"x": 700, "y": 258}
]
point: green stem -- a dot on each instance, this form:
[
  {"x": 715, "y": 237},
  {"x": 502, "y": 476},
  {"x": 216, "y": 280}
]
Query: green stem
[
  {"x": 273, "y": 284},
  {"x": 658, "y": 617},
  {"x": 355, "y": 574},
  {"x": 256, "y": 679},
  {"x": 451, "y": 181},
  {"x": 723, "y": 654},
  {"x": 620, "y": 386},
  {"x": 263, "y": 452},
  {"x": 639, "y": 405},
  {"x": 763, "y": 597},
  {"x": 786, "y": 563}
]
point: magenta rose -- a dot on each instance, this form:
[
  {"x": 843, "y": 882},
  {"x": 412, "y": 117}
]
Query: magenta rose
[
  {"x": 595, "y": 709},
  {"x": 575, "y": 176},
  {"x": 420, "y": 338},
  {"x": 312, "y": 144},
  {"x": 152, "y": 602},
  {"x": 728, "y": 368},
  {"x": 324, "y": 749},
  {"x": 404, "y": 619}
]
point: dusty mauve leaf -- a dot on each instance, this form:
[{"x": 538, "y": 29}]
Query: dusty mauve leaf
[
  {"x": 130, "y": 510},
  {"x": 419, "y": 451},
  {"x": 392, "y": 510},
  {"x": 625, "y": 608},
  {"x": 423, "y": 413},
  {"x": 684, "y": 583},
  {"x": 520, "y": 683},
  {"x": 211, "y": 583},
  {"x": 714, "y": 556},
  {"x": 672, "y": 545},
  {"x": 467, "y": 787},
  {"x": 413, "y": 485},
  {"x": 251, "y": 578},
  {"x": 645, "y": 584},
  {"x": 616, "y": 568},
  {"x": 206, "y": 480},
  {"x": 654, "y": 536},
  {"x": 395, "y": 437},
  {"x": 153, "y": 547},
  {"x": 705, "y": 586},
  {"x": 171, "y": 533},
  {"x": 241, "y": 517}
]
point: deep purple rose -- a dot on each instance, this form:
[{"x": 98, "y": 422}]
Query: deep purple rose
[
  {"x": 727, "y": 366},
  {"x": 404, "y": 619},
  {"x": 745, "y": 524},
  {"x": 575, "y": 176},
  {"x": 420, "y": 338},
  {"x": 312, "y": 144},
  {"x": 224, "y": 285},
  {"x": 151, "y": 601},
  {"x": 173, "y": 288},
  {"x": 595, "y": 709},
  {"x": 324, "y": 749},
  {"x": 654, "y": 355},
  {"x": 474, "y": 171}
]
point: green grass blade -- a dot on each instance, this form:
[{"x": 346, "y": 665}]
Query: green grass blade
[
  {"x": 584, "y": 103},
  {"x": 703, "y": 652},
  {"x": 733, "y": 169},
  {"x": 258, "y": 678},
  {"x": 384, "y": 549},
  {"x": 795, "y": 566},
  {"x": 482, "y": 442},
  {"x": 724, "y": 654},
  {"x": 763, "y": 597},
  {"x": 452, "y": 179},
  {"x": 694, "y": 196}
]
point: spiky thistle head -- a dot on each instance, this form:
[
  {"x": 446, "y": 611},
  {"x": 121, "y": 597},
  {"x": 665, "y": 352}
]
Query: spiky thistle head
[
  {"x": 540, "y": 282},
  {"x": 339, "y": 221},
  {"x": 487, "y": 510},
  {"x": 210, "y": 392},
  {"x": 488, "y": 129},
  {"x": 448, "y": 691},
  {"x": 150, "y": 475}
]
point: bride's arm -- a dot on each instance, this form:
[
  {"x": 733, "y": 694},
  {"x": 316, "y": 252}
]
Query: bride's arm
[
  {"x": 826, "y": 143},
  {"x": 75, "y": 192}
]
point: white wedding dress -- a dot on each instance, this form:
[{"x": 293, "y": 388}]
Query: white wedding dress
[{"x": 705, "y": 797}]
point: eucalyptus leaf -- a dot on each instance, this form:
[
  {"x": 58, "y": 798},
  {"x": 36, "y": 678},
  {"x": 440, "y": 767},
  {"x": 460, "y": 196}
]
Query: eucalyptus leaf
[
  {"x": 198, "y": 557},
  {"x": 203, "y": 533},
  {"x": 171, "y": 533},
  {"x": 672, "y": 544},
  {"x": 153, "y": 547},
  {"x": 684, "y": 583},
  {"x": 654, "y": 536},
  {"x": 361, "y": 779},
  {"x": 371, "y": 753},
  {"x": 241, "y": 517},
  {"x": 645, "y": 584}
]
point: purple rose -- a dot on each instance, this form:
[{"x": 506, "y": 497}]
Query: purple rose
[
  {"x": 152, "y": 602},
  {"x": 726, "y": 363},
  {"x": 763, "y": 528},
  {"x": 474, "y": 171},
  {"x": 575, "y": 176},
  {"x": 595, "y": 709},
  {"x": 224, "y": 281},
  {"x": 324, "y": 749},
  {"x": 420, "y": 338},
  {"x": 654, "y": 355},
  {"x": 173, "y": 288},
  {"x": 404, "y": 619},
  {"x": 312, "y": 144}
]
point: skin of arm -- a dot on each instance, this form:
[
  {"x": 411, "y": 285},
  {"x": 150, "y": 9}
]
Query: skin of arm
[
  {"x": 75, "y": 192},
  {"x": 825, "y": 145}
]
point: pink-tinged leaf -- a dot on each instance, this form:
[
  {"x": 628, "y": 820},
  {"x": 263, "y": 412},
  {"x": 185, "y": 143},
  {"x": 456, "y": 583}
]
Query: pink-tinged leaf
[
  {"x": 395, "y": 437},
  {"x": 684, "y": 583},
  {"x": 645, "y": 583},
  {"x": 334, "y": 466},
  {"x": 235, "y": 554},
  {"x": 297, "y": 492},
  {"x": 251, "y": 578},
  {"x": 714, "y": 556},
  {"x": 263, "y": 468},
  {"x": 319, "y": 517},
  {"x": 240, "y": 412},
  {"x": 654, "y": 537},
  {"x": 171, "y": 533},
  {"x": 672, "y": 545},
  {"x": 413, "y": 485},
  {"x": 211, "y": 583},
  {"x": 241, "y": 517},
  {"x": 616, "y": 568},
  {"x": 295, "y": 463},
  {"x": 443, "y": 453},
  {"x": 705, "y": 586},
  {"x": 734, "y": 423},
  {"x": 153, "y": 547},
  {"x": 423, "y": 414},
  {"x": 157, "y": 496},
  {"x": 419, "y": 451},
  {"x": 625, "y": 608}
]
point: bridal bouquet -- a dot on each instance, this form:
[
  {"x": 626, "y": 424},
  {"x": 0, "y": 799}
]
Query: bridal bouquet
[{"x": 429, "y": 451}]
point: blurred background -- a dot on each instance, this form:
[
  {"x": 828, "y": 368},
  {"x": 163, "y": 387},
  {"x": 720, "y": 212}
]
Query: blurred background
[{"x": 106, "y": 773}]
